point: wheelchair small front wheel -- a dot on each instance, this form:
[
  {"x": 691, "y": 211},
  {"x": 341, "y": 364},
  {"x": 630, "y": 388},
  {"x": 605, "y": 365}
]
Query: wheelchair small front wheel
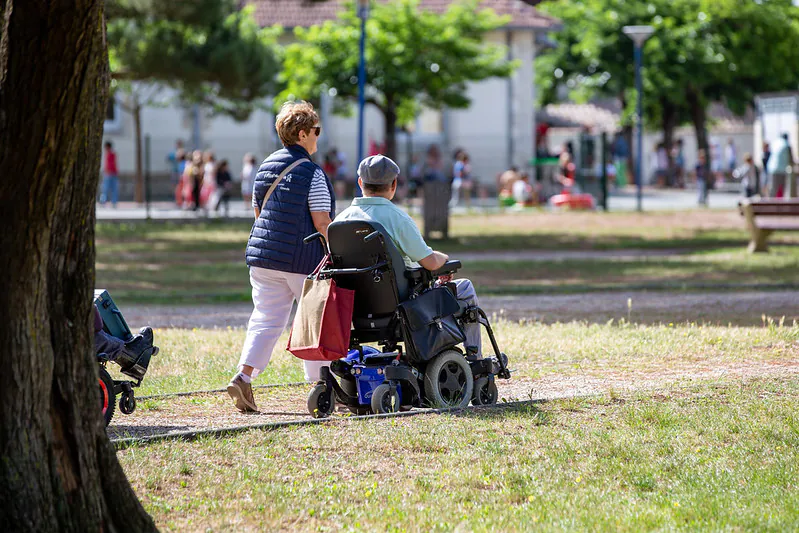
[
  {"x": 383, "y": 401},
  {"x": 485, "y": 391},
  {"x": 448, "y": 380},
  {"x": 320, "y": 401},
  {"x": 127, "y": 403}
]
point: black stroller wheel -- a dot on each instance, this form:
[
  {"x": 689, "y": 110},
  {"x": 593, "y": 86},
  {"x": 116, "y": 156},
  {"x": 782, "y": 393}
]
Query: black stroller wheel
[
  {"x": 383, "y": 401},
  {"x": 448, "y": 380},
  {"x": 485, "y": 391},
  {"x": 107, "y": 396},
  {"x": 320, "y": 401}
]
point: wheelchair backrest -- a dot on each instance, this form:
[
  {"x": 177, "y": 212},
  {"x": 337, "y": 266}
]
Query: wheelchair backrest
[{"x": 375, "y": 296}]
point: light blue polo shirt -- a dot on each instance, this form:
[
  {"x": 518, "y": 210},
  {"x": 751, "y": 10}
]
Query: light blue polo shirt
[{"x": 399, "y": 225}]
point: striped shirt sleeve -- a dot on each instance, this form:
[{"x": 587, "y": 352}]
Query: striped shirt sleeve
[{"x": 319, "y": 195}]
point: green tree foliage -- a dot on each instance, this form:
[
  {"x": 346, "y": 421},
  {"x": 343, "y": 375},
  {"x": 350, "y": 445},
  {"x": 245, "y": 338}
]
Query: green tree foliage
[
  {"x": 413, "y": 58},
  {"x": 209, "y": 51},
  {"x": 702, "y": 51}
]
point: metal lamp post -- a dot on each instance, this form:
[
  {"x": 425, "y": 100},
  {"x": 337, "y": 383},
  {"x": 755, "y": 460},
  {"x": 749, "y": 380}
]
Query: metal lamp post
[
  {"x": 639, "y": 35},
  {"x": 363, "y": 14}
]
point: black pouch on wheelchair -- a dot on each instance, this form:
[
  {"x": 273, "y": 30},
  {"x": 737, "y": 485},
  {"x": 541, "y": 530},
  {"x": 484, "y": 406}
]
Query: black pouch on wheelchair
[{"x": 429, "y": 325}]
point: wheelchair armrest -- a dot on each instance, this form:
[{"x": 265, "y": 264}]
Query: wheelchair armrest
[{"x": 449, "y": 267}]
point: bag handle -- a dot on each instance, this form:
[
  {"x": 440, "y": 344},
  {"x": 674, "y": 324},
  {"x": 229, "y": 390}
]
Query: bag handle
[
  {"x": 280, "y": 178},
  {"x": 315, "y": 273}
]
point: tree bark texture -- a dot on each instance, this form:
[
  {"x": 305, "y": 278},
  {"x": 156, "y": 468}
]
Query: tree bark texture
[
  {"x": 58, "y": 471},
  {"x": 669, "y": 123},
  {"x": 699, "y": 118}
]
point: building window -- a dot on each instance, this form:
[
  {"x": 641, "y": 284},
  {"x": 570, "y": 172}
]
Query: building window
[{"x": 113, "y": 116}]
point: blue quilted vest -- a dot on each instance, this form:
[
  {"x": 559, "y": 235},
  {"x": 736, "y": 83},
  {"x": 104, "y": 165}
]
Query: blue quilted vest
[{"x": 276, "y": 238}]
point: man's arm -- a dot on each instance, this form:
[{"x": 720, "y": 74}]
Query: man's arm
[{"x": 434, "y": 261}]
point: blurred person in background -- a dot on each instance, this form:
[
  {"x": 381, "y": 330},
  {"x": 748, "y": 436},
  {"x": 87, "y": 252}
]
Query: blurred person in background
[
  {"x": 458, "y": 176},
  {"x": 567, "y": 172},
  {"x": 749, "y": 176},
  {"x": 780, "y": 165},
  {"x": 765, "y": 178},
  {"x": 194, "y": 176},
  {"x": 716, "y": 166},
  {"x": 433, "y": 164},
  {"x": 208, "y": 192},
  {"x": 174, "y": 159},
  {"x": 621, "y": 154},
  {"x": 731, "y": 155},
  {"x": 678, "y": 156},
  {"x": 224, "y": 186},
  {"x": 110, "y": 188},
  {"x": 703, "y": 177},
  {"x": 523, "y": 191},
  {"x": 248, "y": 169}
]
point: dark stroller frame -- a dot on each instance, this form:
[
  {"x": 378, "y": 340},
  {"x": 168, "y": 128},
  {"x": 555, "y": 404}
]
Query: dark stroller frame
[{"x": 365, "y": 259}]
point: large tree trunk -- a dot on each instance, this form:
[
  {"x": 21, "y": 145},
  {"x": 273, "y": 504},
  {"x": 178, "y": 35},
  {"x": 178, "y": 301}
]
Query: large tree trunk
[
  {"x": 58, "y": 471},
  {"x": 699, "y": 118},
  {"x": 669, "y": 123}
]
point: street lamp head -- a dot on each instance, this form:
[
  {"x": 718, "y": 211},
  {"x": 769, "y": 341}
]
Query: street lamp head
[{"x": 638, "y": 34}]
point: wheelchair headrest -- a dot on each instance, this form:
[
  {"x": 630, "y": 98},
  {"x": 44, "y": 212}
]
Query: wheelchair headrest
[{"x": 349, "y": 249}]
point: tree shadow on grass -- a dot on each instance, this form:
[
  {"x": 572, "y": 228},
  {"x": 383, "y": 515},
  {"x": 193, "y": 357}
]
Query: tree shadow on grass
[
  {"x": 124, "y": 432},
  {"x": 698, "y": 239}
]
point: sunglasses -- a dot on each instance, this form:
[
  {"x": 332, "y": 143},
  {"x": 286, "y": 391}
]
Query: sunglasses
[{"x": 317, "y": 130}]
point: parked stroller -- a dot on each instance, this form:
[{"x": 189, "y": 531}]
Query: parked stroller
[
  {"x": 132, "y": 365},
  {"x": 418, "y": 325}
]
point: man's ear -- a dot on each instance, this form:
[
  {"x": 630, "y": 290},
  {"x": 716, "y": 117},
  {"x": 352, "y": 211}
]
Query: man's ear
[{"x": 360, "y": 183}]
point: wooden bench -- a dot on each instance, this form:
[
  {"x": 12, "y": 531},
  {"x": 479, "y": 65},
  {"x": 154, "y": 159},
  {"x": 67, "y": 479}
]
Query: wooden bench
[{"x": 765, "y": 216}]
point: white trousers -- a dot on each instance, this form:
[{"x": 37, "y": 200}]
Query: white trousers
[{"x": 273, "y": 293}]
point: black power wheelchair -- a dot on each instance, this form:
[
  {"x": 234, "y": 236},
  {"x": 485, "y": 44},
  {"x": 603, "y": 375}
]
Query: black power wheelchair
[{"x": 417, "y": 323}]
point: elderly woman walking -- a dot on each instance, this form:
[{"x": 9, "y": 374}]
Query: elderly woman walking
[{"x": 292, "y": 198}]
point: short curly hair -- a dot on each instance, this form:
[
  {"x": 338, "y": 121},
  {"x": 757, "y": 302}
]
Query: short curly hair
[{"x": 294, "y": 117}]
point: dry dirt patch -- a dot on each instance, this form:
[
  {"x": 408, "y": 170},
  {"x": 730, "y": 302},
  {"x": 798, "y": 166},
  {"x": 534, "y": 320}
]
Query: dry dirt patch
[{"x": 207, "y": 411}]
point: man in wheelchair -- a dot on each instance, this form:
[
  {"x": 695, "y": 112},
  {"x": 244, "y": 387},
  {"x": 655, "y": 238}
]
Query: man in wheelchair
[
  {"x": 375, "y": 247},
  {"x": 377, "y": 176}
]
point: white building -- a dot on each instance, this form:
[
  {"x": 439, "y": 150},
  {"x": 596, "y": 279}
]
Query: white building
[{"x": 497, "y": 130}]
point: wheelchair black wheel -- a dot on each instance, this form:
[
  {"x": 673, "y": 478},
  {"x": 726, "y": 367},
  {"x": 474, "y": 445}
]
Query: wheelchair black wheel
[
  {"x": 485, "y": 391},
  {"x": 383, "y": 401},
  {"x": 448, "y": 380},
  {"x": 127, "y": 403},
  {"x": 320, "y": 401},
  {"x": 107, "y": 396}
]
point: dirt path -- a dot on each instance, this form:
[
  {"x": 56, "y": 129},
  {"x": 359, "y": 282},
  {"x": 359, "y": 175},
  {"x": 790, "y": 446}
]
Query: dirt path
[
  {"x": 738, "y": 308},
  {"x": 206, "y": 411}
]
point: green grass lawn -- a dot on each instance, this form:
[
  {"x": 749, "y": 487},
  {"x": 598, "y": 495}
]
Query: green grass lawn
[
  {"x": 204, "y": 263},
  {"x": 707, "y": 457},
  {"x": 206, "y": 359},
  {"x": 692, "y": 454},
  {"x": 727, "y": 268}
]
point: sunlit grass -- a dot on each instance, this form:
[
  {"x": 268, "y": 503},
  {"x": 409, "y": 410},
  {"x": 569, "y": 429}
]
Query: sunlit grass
[
  {"x": 206, "y": 359},
  {"x": 710, "y": 458}
]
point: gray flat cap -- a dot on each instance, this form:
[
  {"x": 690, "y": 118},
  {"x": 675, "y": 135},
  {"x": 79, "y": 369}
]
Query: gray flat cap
[{"x": 378, "y": 170}]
